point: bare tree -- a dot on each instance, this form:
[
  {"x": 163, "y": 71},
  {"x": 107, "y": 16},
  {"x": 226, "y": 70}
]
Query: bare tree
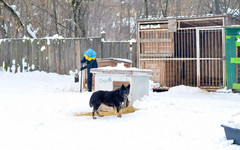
[
  {"x": 217, "y": 7},
  {"x": 82, "y": 18},
  {"x": 178, "y": 7},
  {"x": 80, "y": 8},
  {"x": 16, "y": 16},
  {"x": 146, "y": 8},
  {"x": 163, "y": 7},
  {"x": 55, "y": 16}
]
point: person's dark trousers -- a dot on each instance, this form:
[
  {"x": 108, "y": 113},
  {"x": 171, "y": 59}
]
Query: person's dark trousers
[{"x": 89, "y": 81}]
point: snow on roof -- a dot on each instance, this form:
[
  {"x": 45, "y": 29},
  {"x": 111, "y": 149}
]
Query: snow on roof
[
  {"x": 121, "y": 60},
  {"x": 187, "y": 17},
  {"x": 120, "y": 68}
]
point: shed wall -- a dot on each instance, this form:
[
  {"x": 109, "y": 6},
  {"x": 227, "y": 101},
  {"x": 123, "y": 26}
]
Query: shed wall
[{"x": 193, "y": 54}]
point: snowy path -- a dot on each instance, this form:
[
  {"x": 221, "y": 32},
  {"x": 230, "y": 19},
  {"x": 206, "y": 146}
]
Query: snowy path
[{"x": 37, "y": 112}]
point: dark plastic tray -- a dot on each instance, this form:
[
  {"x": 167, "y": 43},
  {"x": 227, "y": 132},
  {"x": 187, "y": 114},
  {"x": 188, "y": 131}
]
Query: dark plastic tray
[{"x": 232, "y": 134}]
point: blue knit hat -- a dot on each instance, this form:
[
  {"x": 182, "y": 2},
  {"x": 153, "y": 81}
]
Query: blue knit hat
[{"x": 90, "y": 53}]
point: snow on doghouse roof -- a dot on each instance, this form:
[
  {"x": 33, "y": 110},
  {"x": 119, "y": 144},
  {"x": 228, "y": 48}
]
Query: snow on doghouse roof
[
  {"x": 121, "y": 60},
  {"x": 120, "y": 69}
]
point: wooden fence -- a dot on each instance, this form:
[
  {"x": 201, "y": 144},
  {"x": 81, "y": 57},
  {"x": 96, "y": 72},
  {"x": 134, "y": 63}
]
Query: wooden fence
[{"x": 56, "y": 55}]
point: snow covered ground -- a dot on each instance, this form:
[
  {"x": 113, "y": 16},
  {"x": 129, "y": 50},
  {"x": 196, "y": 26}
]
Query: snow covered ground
[{"x": 37, "y": 113}]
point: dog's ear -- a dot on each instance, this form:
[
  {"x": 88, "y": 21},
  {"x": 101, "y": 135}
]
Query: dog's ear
[
  {"x": 128, "y": 86},
  {"x": 122, "y": 87}
]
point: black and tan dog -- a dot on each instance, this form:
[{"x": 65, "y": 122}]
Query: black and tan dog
[{"x": 110, "y": 98}]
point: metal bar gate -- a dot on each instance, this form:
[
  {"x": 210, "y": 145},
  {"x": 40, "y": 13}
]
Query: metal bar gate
[{"x": 193, "y": 57}]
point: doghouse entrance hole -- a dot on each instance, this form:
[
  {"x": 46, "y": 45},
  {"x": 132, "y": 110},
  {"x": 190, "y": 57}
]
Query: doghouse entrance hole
[{"x": 118, "y": 84}]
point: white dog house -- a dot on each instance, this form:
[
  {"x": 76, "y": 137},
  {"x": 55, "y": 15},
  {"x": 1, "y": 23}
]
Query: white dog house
[{"x": 111, "y": 78}]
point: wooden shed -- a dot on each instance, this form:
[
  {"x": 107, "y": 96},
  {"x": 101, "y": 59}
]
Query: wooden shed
[{"x": 185, "y": 51}]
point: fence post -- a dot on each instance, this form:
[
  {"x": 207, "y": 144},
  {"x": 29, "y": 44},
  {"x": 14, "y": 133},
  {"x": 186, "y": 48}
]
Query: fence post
[
  {"x": 103, "y": 38},
  {"x": 133, "y": 47}
]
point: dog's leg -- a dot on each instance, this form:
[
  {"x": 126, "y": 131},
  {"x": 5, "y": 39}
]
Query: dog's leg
[
  {"x": 93, "y": 114},
  {"x": 118, "y": 111},
  {"x": 98, "y": 113},
  {"x": 95, "y": 109}
]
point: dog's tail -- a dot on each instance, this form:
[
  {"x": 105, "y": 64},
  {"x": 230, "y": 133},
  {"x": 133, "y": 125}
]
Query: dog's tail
[{"x": 90, "y": 102}]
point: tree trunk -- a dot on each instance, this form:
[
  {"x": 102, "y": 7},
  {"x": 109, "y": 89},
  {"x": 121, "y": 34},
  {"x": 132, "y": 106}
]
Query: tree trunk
[
  {"x": 165, "y": 11},
  {"x": 217, "y": 7},
  {"x": 55, "y": 16},
  {"x": 178, "y": 7},
  {"x": 15, "y": 15},
  {"x": 146, "y": 8}
]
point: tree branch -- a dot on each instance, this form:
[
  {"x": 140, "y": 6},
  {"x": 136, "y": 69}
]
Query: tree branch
[
  {"x": 53, "y": 17},
  {"x": 15, "y": 15}
]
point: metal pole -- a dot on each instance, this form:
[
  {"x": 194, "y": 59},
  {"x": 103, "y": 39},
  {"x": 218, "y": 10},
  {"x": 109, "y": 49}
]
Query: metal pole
[
  {"x": 198, "y": 57},
  {"x": 224, "y": 56},
  {"x": 81, "y": 80}
]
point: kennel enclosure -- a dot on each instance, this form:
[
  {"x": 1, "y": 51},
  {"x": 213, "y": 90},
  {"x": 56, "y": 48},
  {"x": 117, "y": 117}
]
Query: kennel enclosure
[{"x": 185, "y": 51}]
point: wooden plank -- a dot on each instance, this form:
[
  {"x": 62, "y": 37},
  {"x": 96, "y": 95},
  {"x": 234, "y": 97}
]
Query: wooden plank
[
  {"x": 1, "y": 54},
  {"x": 25, "y": 56},
  {"x": 40, "y": 50},
  {"x": 97, "y": 46},
  {"x": 61, "y": 50},
  {"x": 57, "y": 56},
  {"x": 89, "y": 43},
  {"x": 107, "y": 49},
  {"x": 235, "y": 60},
  {"x": 134, "y": 55},
  {"x": 46, "y": 55},
  {"x": 35, "y": 58},
  {"x": 33, "y": 55},
  {"x": 19, "y": 48},
  {"x": 156, "y": 40},
  {"x": 12, "y": 55},
  {"x": 51, "y": 57},
  {"x": 67, "y": 51},
  {"x": 236, "y": 86},
  {"x": 115, "y": 50},
  {"x": 77, "y": 53},
  {"x": 83, "y": 47},
  {"x": 70, "y": 55},
  {"x": 5, "y": 55},
  {"x": 124, "y": 50}
]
